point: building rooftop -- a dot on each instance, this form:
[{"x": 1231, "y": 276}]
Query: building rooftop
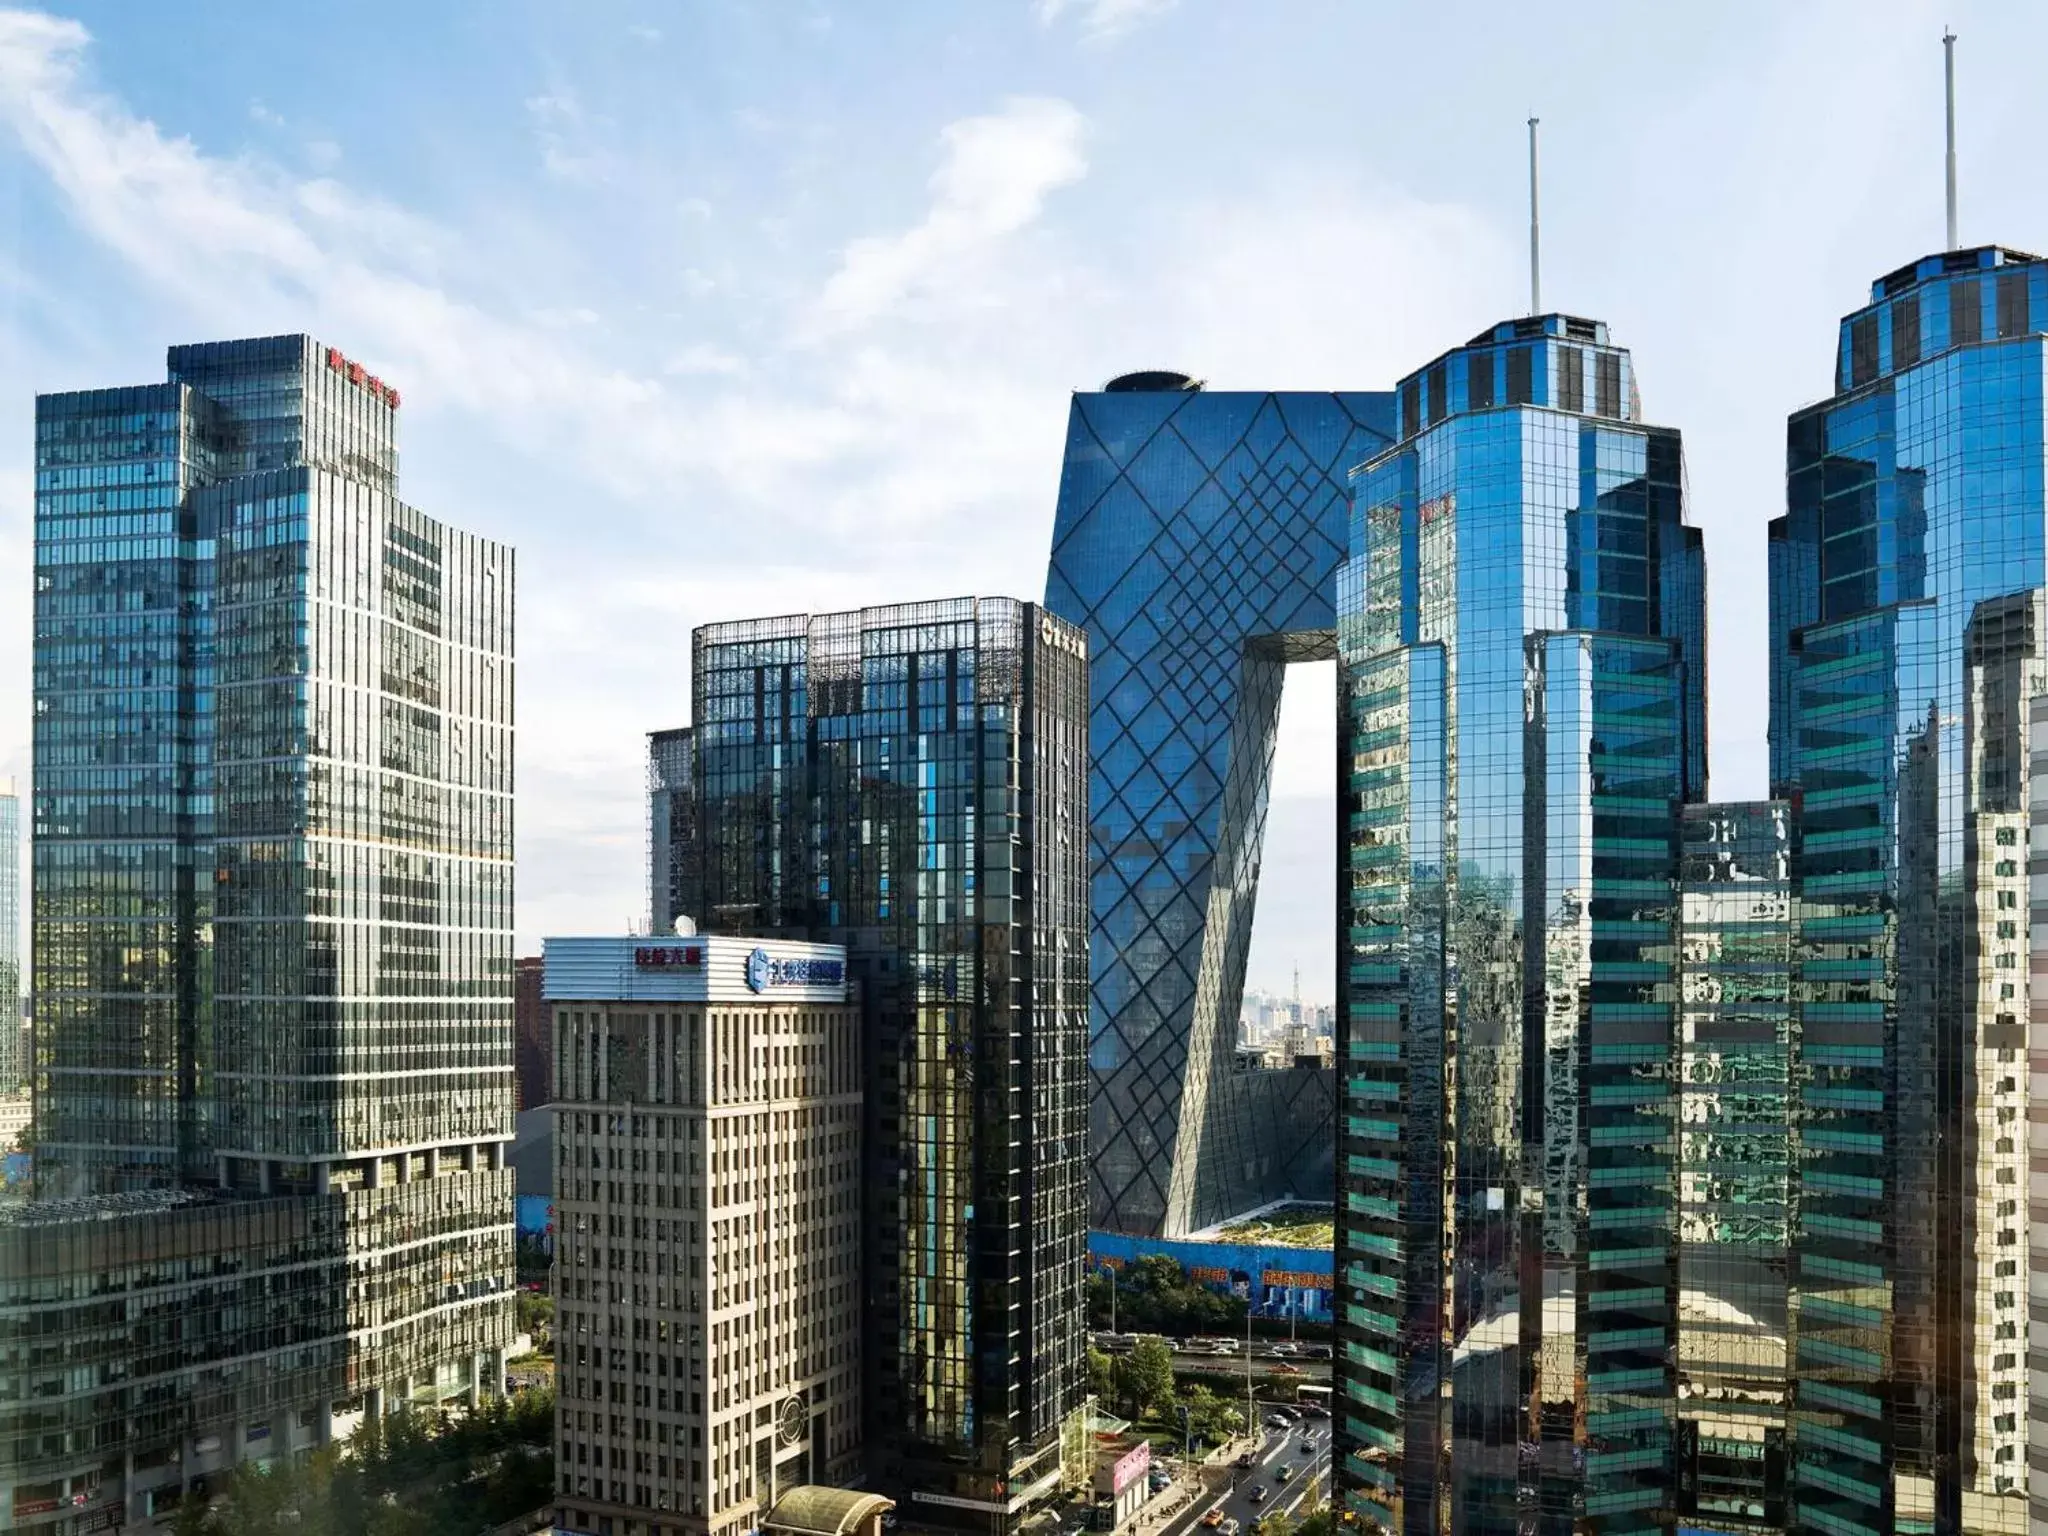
[{"x": 816, "y": 1511}]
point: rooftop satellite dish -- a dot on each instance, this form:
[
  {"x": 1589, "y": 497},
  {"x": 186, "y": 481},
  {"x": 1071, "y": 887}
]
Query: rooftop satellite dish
[{"x": 686, "y": 928}]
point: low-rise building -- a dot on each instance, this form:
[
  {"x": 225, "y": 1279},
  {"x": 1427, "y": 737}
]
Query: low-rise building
[
  {"x": 708, "y": 1098},
  {"x": 1123, "y": 1464}
]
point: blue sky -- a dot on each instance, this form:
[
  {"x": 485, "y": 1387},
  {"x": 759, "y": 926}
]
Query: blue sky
[{"x": 726, "y": 309}]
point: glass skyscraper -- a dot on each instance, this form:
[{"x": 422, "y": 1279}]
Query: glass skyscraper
[
  {"x": 272, "y": 925},
  {"x": 13, "y": 1070},
  {"x": 1906, "y": 636},
  {"x": 1196, "y": 542},
  {"x": 910, "y": 782},
  {"x": 1520, "y": 630}
]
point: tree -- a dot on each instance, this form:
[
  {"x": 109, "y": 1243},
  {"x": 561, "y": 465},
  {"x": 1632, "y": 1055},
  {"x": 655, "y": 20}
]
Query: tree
[
  {"x": 1147, "y": 1376},
  {"x": 536, "y": 1313},
  {"x": 1098, "y": 1288},
  {"x": 1157, "y": 1295},
  {"x": 1211, "y": 1419},
  {"x": 1320, "y": 1522},
  {"x": 1101, "y": 1373}
]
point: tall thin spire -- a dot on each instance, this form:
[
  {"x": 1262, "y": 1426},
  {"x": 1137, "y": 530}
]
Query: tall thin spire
[
  {"x": 1535, "y": 242},
  {"x": 1948, "y": 62}
]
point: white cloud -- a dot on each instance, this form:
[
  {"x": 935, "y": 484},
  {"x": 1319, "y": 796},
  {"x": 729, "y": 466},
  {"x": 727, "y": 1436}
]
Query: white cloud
[
  {"x": 704, "y": 358},
  {"x": 869, "y": 450},
  {"x": 1102, "y": 20},
  {"x": 993, "y": 179},
  {"x": 568, "y": 138}
]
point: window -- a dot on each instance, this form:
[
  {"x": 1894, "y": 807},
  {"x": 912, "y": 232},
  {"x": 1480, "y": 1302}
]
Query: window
[
  {"x": 1608, "y": 400},
  {"x": 1862, "y": 350},
  {"x": 1411, "y": 409},
  {"x": 1965, "y": 311},
  {"x": 1437, "y": 404},
  {"x": 1905, "y": 331},
  {"x": 1571, "y": 378},
  {"x": 1520, "y": 375},
  {"x": 2012, "y": 303},
  {"x": 1479, "y": 381}
]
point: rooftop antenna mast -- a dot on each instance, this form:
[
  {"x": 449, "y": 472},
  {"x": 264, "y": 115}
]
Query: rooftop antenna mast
[
  {"x": 1535, "y": 242},
  {"x": 1948, "y": 64}
]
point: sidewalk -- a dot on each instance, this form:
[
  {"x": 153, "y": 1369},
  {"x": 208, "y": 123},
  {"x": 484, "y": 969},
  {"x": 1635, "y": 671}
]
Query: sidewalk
[{"x": 1184, "y": 1492}]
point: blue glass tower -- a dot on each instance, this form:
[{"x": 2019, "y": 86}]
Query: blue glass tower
[
  {"x": 1197, "y": 542},
  {"x": 1906, "y": 643},
  {"x": 272, "y": 920},
  {"x": 1520, "y": 628}
]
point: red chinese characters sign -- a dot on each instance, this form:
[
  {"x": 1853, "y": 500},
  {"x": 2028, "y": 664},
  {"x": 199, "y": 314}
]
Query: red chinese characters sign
[
  {"x": 358, "y": 375},
  {"x": 665, "y": 957}
]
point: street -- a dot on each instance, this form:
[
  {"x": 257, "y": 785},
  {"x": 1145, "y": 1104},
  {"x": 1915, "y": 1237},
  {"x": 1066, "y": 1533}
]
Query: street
[{"x": 1279, "y": 1448}]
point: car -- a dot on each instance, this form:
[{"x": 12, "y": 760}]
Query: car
[
  {"x": 1247, "y": 1460},
  {"x": 1308, "y": 1442},
  {"x": 1213, "y": 1519},
  {"x": 1283, "y": 1474},
  {"x": 1274, "y": 1421},
  {"x": 1231, "y": 1527},
  {"x": 1285, "y": 1368},
  {"x": 1314, "y": 1411},
  {"x": 1258, "y": 1493}
]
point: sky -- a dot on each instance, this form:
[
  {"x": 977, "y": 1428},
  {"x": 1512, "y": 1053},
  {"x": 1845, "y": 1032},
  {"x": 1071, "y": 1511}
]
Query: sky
[{"x": 725, "y": 309}]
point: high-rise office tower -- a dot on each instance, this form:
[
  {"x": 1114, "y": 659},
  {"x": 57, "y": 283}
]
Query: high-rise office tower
[
  {"x": 671, "y": 829},
  {"x": 1197, "y": 542},
  {"x": 708, "y": 1217},
  {"x": 533, "y": 1040},
  {"x": 272, "y": 917},
  {"x": 1520, "y": 630},
  {"x": 1734, "y": 1171},
  {"x": 13, "y": 1070},
  {"x": 911, "y": 782},
  {"x": 1904, "y": 619}
]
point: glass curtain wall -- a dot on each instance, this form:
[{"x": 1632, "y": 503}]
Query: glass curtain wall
[
  {"x": 910, "y": 782},
  {"x": 1901, "y": 592},
  {"x": 1520, "y": 632}
]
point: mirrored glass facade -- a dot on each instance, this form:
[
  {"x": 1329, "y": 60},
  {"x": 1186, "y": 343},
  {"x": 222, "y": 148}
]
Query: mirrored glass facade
[
  {"x": 911, "y": 782},
  {"x": 1734, "y": 1174},
  {"x": 1196, "y": 542},
  {"x": 1520, "y": 627},
  {"x": 1903, "y": 582},
  {"x": 273, "y": 893},
  {"x": 13, "y": 1070}
]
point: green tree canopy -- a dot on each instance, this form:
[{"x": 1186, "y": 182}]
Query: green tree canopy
[
  {"x": 1147, "y": 1376},
  {"x": 1212, "y": 1419}
]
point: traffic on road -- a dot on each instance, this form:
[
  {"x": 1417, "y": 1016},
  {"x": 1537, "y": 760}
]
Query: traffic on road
[{"x": 1292, "y": 1458}]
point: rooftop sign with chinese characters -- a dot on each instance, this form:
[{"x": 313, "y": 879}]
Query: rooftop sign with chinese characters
[
  {"x": 697, "y": 968},
  {"x": 356, "y": 374}
]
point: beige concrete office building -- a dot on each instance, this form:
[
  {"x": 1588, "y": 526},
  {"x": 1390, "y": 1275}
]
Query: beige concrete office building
[{"x": 707, "y": 1219}]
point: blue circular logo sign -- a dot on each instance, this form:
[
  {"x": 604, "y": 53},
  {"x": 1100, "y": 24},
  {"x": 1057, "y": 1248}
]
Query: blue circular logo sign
[{"x": 760, "y": 971}]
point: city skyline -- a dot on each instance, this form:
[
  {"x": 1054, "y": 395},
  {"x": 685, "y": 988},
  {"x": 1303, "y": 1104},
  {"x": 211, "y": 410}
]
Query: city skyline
[
  {"x": 1674, "y": 1123},
  {"x": 773, "y": 295}
]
